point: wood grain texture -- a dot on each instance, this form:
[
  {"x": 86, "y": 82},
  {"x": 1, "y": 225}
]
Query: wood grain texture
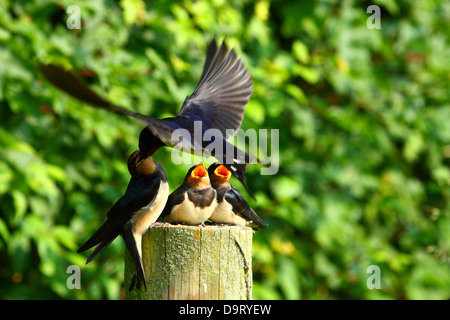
[{"x": 194, "y": 263}]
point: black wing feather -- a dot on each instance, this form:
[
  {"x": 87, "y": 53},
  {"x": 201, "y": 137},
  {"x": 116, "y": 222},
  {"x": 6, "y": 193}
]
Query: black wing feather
[
  {"x": 218, "y": 101},
  {"x": 72, "y": 85},
  {"x": 242, "y": 208},
  {"x": 130, "y": 242},
  {"x": 139, "y": 193},
  {"x": 222, "y": 93}
]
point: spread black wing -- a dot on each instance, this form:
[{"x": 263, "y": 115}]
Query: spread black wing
[
  {"x": 218, "y": 101},
  {"x": 222, "y": 93}
]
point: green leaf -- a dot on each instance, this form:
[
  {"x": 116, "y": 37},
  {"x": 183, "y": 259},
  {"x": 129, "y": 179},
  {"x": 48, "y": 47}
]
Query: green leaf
[
  {"x": 20, "y": 205},
  {"x": 255, "y": 111},
  {"x": 300, "y": 52},
  {"x": 286, "y": 188},
  {"x": 413, "y": 146},
  {"x": 132, "y": 10}
]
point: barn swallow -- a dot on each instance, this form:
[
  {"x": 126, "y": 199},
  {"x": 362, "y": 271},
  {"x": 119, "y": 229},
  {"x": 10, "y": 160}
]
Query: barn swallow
[
  {"x": 140, "y": 206},
  {"x": 194, "y": 201},
  {"x": 218, "y": 101},
  {"x": 232, "y": 208}
]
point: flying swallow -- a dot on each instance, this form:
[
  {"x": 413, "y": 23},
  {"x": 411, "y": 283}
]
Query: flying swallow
[
  {"x": 140, "y": 206},
  {"x": 218, "y": 101},
  {"x": 194, "y": 201},
  {"x": 232, "y": 208}
]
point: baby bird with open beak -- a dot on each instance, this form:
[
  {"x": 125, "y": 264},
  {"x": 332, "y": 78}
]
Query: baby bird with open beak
[
  {"x": 194, "y": 201},
  {"x": 232, "y": 208}
]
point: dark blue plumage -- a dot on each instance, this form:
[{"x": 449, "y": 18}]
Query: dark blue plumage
[{"x": 140, "y": 206}]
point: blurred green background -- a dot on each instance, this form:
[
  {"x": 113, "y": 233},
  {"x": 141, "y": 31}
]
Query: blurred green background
[{"x": 364, "y": 119}]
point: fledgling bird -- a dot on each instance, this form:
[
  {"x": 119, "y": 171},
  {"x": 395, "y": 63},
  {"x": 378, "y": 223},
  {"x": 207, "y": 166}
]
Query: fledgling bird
[
  {"x": 140, "y": 206},
  {"x": 232, "y": 208},
  {"x": 218, "y": 102},
  {"x": 194, "y": 201}
]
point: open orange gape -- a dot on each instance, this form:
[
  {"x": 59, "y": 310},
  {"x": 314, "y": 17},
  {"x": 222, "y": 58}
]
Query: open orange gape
[
  {"x": 221, "y": 175},
  {"x": 199, "y": 177},
  {"x": 199, "y": 171},
  {"x": 222, "y": 172}
]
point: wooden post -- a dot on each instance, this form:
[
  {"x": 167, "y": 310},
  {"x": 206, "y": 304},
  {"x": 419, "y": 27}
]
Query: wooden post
[{"x": 190, "y": 262}]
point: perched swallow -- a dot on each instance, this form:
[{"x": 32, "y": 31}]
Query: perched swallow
[
  {"x": 194, "y": 201},
  {"x": 218, "y": 101},
  {"x": 134, "y": 212},
  {"x": 232, "y": 208}
]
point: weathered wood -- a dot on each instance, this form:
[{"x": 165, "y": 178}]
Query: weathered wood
[{"x": 190, "y": 262}]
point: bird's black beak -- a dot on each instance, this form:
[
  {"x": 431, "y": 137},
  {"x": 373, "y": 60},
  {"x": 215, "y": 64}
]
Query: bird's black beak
[{"x": 138, "y": 159}]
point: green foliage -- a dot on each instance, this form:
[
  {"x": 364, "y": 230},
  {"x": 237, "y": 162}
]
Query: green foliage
[{"x": 364, "y": 118}]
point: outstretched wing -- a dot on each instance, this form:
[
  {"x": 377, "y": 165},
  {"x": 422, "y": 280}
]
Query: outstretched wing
[
  {"x": 222, "y": 93},
  {"x": 218, "y": 101}
]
